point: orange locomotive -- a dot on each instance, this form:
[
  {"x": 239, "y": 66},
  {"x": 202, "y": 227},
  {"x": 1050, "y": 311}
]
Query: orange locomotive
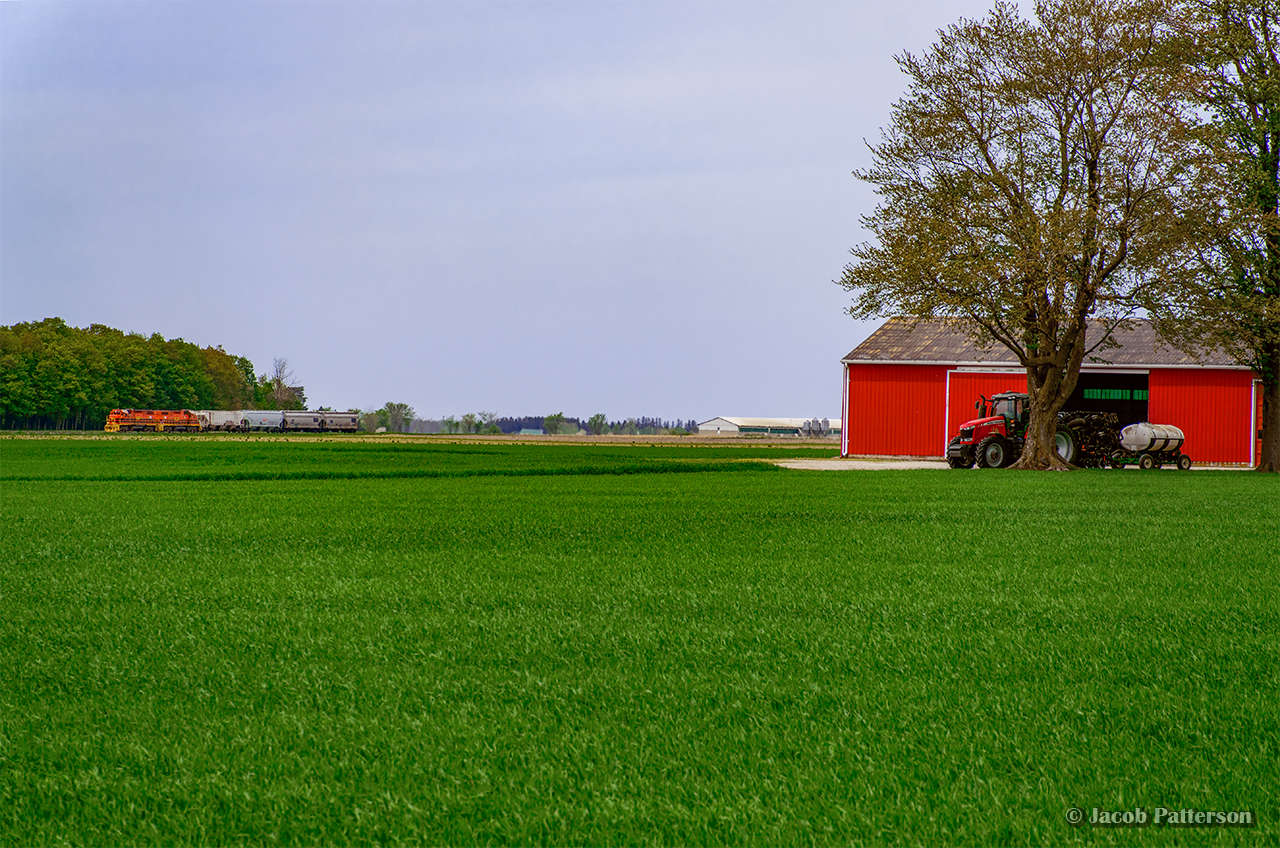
[{"x": 157, "y": 420}]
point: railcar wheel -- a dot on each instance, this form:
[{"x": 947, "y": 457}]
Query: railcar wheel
[
  {"x": 1146, "y": 462},
  {"x": 1184, "y": 462},
  {"x": 992, "y": 452}
]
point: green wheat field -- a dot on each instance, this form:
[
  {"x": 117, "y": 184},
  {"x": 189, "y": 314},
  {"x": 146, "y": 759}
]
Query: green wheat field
[{"x": 274, "y": 641}]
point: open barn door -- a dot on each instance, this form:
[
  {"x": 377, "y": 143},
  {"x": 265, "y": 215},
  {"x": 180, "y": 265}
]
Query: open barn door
[{"x": 1123, "y": 393}]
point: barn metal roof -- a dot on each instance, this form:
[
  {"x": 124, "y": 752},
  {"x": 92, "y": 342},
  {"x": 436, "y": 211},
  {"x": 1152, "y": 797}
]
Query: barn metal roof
[
  {"x": 760, "y": 422},
  {"x": 945, "y": 342}
]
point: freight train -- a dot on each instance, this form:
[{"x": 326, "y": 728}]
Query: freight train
[{"x": 230, "y": 420}]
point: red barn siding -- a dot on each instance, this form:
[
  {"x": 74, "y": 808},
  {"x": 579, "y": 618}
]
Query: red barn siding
[
  {"x": 965, "y": 386},
  {"x": 1213, "y": 408},
  {"x": 895, "y": 410}
]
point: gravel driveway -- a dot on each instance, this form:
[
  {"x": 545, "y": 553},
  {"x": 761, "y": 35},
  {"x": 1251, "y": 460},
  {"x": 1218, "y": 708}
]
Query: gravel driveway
[{"x": 861, "y": 464}]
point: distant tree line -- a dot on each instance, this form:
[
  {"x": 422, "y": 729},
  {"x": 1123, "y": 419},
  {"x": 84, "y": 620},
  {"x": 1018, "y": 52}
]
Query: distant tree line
[
  {"x": 484, "y": 423},
  {"x": 55, "y": 377},
  {"x": 556, "y": 424},
  {"x": 650, "y": 426}
]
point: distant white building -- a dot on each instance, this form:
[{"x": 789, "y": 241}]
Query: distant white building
[{"x": 770, "y": 427}]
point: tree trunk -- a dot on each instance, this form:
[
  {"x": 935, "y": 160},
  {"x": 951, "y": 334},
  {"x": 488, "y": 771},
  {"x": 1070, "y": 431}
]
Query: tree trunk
[
  {"x": 1269, "y": 456},
  {"x": 1049, "y": 386},
  {"x": 1039, "y": 452}
]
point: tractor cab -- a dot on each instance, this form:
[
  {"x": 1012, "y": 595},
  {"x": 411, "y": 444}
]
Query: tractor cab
[
  {"x": 1014, "y": 408},
  {"x": 1010, "y": 410}
]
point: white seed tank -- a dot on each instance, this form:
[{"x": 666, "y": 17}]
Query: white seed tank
[{"x": 1151, "y": 437}]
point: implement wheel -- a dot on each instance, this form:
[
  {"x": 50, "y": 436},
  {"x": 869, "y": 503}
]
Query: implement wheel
[
  {"x": 1067, "y": 445},
  {"x": 1184, "y": 462},
  {"x": 1146, "y": 462},
  {"x": 993, "y": 452}
]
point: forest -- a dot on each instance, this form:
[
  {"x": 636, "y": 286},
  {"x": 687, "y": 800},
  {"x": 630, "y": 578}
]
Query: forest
[{"x": 57, "y": 377}]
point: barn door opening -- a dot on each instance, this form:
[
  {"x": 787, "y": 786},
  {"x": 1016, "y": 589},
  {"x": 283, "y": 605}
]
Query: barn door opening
[{"x": 1125, "y": 394}]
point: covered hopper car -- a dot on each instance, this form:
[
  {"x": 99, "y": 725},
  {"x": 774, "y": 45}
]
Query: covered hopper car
[
  {"x": 218, "y": 419},
  {"x": 261, "y": 419},
  {"x": 341, "y": 422}
]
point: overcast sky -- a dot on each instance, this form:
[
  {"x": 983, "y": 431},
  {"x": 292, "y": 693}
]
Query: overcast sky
[{"x": 635, "y": 208}]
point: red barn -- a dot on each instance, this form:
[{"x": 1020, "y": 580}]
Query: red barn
[{"x": 908, "y": 387}]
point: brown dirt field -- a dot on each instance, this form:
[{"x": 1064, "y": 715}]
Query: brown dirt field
[{"x": 445, "y": 438}]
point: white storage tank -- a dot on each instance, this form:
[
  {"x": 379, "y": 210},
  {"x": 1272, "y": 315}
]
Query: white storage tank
[{"x": 1147, "y": 437}]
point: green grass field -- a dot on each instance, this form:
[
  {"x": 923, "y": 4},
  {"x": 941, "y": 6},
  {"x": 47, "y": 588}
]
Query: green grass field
[{"x": 270, "y": 641}]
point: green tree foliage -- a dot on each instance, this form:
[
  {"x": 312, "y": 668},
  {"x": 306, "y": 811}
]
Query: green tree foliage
[
  {"x": 597, "y": 424},
  {"x": 1231, "y": 296},
  {"x": 231, "y": 388},
  {"x": 552, "y": 424},
  {"x": 53, "y": 376},
  {"x": 396, "y": 417},
  {"x": 1027, "y": 183}
]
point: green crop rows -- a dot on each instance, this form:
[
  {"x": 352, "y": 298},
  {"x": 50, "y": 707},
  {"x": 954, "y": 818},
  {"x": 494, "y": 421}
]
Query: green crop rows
[{"x": 259, "y": 642}]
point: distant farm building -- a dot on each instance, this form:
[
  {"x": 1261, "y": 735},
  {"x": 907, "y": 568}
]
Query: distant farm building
[
  {"x": 907, "y": 389},
  {"x": 769, "y": 427}
]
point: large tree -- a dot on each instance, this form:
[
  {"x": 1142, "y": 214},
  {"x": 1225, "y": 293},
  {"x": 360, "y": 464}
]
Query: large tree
[
  {"x": 552, "y": 424},
  {"x": 1026, "y": 184},
  {"x": 396, "y": 417},
  {"x": 1228, "y": 295}
]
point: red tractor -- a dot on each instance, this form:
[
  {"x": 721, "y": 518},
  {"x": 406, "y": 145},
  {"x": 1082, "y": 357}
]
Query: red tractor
[{"x": 995, "y": 440}]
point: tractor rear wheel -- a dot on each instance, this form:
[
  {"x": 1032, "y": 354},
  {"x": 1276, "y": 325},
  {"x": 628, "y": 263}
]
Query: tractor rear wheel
[
  {"x": 1067, "y": 444},
  {"x": 993, "y": 452}
]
